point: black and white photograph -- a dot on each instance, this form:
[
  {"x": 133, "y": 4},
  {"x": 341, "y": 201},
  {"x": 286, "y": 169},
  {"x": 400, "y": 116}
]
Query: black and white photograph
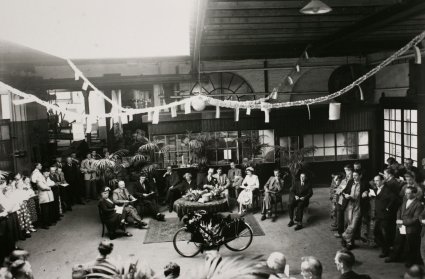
[{"x": 212, "y": 139}]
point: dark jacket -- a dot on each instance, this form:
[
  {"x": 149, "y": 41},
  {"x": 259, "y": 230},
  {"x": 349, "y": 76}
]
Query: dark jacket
[
  {"x": 71, "y": 173},
  {"x": 410, "y": 216},
  {"x": 172, "y": 179},
  {"x": 352, "y": 275},
  {"x": 394, "y": 185},
  {"x": 109, "y": 216},
  {"x": 184, "y": 186},
  {"x": 304, "y": 191},
  {"x": 385, "y": 203},
  {"x": 146, "y": 188},
  {"x": 205, "y": 181}
]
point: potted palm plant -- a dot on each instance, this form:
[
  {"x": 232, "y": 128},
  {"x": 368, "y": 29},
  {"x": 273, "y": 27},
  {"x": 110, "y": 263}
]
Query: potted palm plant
[{"x": 294, "y": 159}]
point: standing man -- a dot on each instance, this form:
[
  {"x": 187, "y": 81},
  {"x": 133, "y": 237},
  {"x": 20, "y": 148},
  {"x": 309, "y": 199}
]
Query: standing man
[
  {"x": 71, "y": 175},
  {"x": 89, "y": 177},
  {"x": 408, "y": 165},
  {"x": 272, "y": 191},
  {"x": 385, "y": 211},
  {"x": 146, "y": 196},
  {"x": 233, "y": 175},
  {"x": 55, "y": 189},
  {"x": 171, "y": 180},
  {"x": 36, "y": 173},
  {"x": 299, "y": 197},
  {"x": 65, "y": 194},
  {"x": 58, "y": 163},
  {"x": 223, "y": 183},
  {"x": 341, "y": 205},
  {"x": 45, "y": 197},
  {"x": 408, "y": 230}
]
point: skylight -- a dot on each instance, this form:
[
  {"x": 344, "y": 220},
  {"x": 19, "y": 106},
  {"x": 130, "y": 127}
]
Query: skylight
[{"x": 99, "y": 28}]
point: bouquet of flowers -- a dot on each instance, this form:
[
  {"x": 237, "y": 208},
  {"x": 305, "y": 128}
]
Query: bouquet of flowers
[{"x": 193, "y": 195}]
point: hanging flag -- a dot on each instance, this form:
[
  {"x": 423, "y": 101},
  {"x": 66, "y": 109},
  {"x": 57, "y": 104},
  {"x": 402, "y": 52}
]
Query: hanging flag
[
  {"x": 217, "y": 112},
  {"x": 297, "y": 68},
  {"x": 266, "y": 115},
  {"x": 173, "y": 112},
  {"x": 77, "y": 75},
  {"x": 130, "y": 117},
  {"x": 89, "y": 125},
  {"x": 164, "y": 104},
  {"x": 290, "y": 80},
  {"x": 85, "y": 85},
  {"x": 187, "y": 107},
  {"x": 150, "y": 114},
  {"x": 236, "y": 114},
  {"x": 155, "y": 117},
  {"x": 248, "y": 111}
]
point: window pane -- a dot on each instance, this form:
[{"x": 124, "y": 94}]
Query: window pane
[
  {"x": 329, "y": 140},
  {"x": 386, "y": 125},
  {"x": 406, "y": 152},
  {"x": 414, "y": 128},
  {"x": 398, "y": 138},
  {"x": 387, "y": 147},
  {"x": 407, "y": 140},
  {"x": 318, "y": 140},
  {"x": 341, "y": 151},
  {"x": 414, "y": 154},
  {"x": 330, "y": 151},
  {"x": 407, "y": 127},
  {"x": 398, "y": 150},
  {"x": 319, "y": 152},
  {"x": 363, "y": 138},
  {"x": 308, "y": 140},
  {"x": 386, "y": 113},
  {"x": 414, "y": 141},
  {"x": 363, "y": 152},
  {"x": 414, "y": 115},
  {"x": 284, "y": 142},
  {"x": 398, "y": 114},
  {"x": 406, "y": 115},
  {"x": 398, "y": 126},
  {"x": 4, "y": 132},
  {"x": 387, "y": 136}
]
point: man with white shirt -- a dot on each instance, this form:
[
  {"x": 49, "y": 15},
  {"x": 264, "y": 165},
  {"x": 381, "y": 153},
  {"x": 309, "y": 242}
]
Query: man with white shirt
[
  {"x": 385, "y": 211},
  {"x": 409, "y": 229}
]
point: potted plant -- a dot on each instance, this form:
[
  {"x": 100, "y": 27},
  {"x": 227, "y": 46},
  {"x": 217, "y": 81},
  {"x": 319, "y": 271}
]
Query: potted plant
[{"x": 294, "y": 159}]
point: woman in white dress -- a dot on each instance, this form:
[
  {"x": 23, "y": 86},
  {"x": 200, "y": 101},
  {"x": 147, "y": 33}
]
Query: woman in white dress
[{"x": 249, "y": 184}]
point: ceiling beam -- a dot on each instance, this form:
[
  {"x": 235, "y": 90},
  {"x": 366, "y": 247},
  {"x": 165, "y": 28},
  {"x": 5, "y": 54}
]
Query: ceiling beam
[
  {"x": 275, "y": 31},
  {"x": 270, "y": 26},
  {"x": 396, "y": 13},
  {"x": 199, "y": 30},
  {"x": 286, "y": 19},
  {"x": 288, "y": 12},
  {"x": 236, "y": 5}
]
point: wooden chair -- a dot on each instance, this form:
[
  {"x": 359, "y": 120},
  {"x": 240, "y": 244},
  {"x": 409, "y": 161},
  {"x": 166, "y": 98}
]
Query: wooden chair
[{"x": 276, "y": 201}]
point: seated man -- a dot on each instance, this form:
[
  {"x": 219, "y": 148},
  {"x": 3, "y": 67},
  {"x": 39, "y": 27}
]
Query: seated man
[
  {"x": 273, "y": 186},
  {"x": 122, "y": 197},
  {"x": 176, "y": 192},
  {"x": 146, "y": 196},
  {"x": 114, "y": 222},
  {"x": 171, "y": 180},
  {"x": 311, "y": 268},
  {"x": 235, "y": 177},
  {"x": 208, "y": 182},
  {"x": 223, "y": 183},
  {"x": 299, "y": 196}
]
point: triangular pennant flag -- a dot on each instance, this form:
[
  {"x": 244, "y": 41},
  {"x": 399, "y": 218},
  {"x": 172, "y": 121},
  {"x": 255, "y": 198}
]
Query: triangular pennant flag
[
  {"x": 155, "y": 117},
  {"x": 173, "y": 112},
  {"x": 236, "y": 114},
  {"x": 85, "y": 85},
  {"x": 187, "y": 107},
  {"x": 290, "y": 80},
  {"x": 248, "y": 111},
  {"x": 164, "y": 104},
  {"x": 89, "y": 125},
  {"x": 217, "y": 112},
  {"x": 266, "y": 115},
  {"x": 150, "y": 114}
]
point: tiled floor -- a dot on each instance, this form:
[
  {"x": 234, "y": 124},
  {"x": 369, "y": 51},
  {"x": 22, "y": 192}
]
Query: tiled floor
[{"x": 75, "y": 239}]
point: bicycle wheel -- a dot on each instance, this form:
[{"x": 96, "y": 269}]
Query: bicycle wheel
[
  {"x": 242, "y": 240},
  {"x": 184, "y": 245}
]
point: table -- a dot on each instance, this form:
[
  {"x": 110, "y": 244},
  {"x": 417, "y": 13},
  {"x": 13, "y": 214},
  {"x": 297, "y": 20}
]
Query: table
[{"x": 183, "y": 206}]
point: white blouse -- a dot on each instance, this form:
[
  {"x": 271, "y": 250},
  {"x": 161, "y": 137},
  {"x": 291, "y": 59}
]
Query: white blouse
[{"x": 252, "y": 182}]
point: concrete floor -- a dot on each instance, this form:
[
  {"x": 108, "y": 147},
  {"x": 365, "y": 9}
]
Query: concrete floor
[{"x": 75, "y": 238}]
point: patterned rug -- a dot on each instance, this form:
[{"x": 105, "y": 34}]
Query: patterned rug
[{"x": 164, "y": 231}]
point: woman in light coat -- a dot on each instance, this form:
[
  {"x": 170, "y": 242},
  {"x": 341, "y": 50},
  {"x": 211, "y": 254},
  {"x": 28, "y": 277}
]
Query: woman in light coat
[{"x": 249, "y": 184}]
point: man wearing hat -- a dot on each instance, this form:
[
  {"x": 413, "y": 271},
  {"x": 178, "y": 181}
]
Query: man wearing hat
[
  {"x": 115, "y": 223},
  {"x": 122, "y": 197}
]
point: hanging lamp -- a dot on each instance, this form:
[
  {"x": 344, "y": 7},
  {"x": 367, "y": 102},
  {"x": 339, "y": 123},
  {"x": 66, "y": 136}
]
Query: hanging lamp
[{"x": 315, "y": 7}]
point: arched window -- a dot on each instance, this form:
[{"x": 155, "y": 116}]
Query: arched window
[{"x": 224, "y": 86}]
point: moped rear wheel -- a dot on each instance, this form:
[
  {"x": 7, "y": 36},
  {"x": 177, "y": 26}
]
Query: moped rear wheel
[
  {"x": 184, "y": 245},
  {"x": 242, "y": 240}
]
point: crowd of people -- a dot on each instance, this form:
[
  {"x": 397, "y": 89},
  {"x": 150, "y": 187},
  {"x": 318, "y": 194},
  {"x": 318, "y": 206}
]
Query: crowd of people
[{"x": 386, "y": 210}]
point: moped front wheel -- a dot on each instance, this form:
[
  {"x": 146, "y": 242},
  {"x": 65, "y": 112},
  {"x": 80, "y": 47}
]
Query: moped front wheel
[
  {"x": 184, "y": 245},
  {"x": 242, "y": 240}
]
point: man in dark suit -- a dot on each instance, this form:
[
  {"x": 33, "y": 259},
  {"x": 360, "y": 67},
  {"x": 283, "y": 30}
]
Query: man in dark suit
[
  {"x": 55, "y": 189},
  {"x": 343, "y": 188},
  {"x": 171, "y": 179},
  {"x": 391, "y": 181},
  {"x": 385, "y": 211},
  {"x": 176, "y": 192},
  {"x": 409, "y": 229},
  {"x": 146, "y": 195},
  {"x": 344, "y": 261},
  {"x": 72, "y": 176},
  {"x": 299, "y": 196}
]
